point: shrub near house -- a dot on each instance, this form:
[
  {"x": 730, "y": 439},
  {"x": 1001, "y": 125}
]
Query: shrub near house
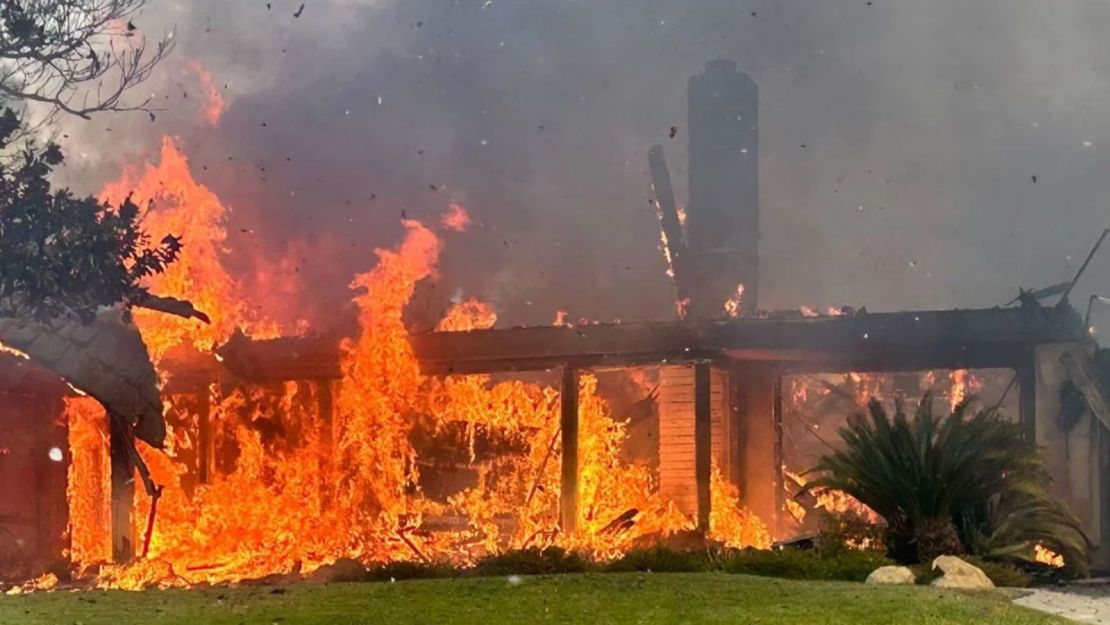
[{"x": 963, "y": 483}]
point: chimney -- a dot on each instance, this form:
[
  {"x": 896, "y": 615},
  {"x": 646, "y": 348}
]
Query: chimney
[{"x": 723, "y": 224}]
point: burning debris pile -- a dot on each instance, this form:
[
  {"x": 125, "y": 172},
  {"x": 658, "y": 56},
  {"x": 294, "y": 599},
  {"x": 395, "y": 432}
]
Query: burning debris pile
[{"x": 292, "y": 489}]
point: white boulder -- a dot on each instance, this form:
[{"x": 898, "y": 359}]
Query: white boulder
[
  {"x": 960, "y": 574},
  {"x": 891, "y": 575}
]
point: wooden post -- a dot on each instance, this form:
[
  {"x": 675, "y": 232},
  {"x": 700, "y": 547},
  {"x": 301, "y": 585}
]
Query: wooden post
[
  {"x": 780, "y": 487},
  {"x": 760, "y": 440},
  {"x": 1027, "y": 396},
  {"x": 123, "y": 491},
  {"x": 1103, "y": 438},
  {"x": 204, "y": 435},
  {"x": 703, "y": 443},
  {"x": 568, "y": 499}
]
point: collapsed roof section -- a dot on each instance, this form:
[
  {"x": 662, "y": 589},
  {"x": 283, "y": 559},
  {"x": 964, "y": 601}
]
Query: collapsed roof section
[{"x": 106, "y": 359}]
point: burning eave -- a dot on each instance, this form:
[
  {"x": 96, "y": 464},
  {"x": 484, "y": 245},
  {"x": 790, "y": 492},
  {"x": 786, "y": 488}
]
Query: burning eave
[
  {"x": 864, "y": 341},
  {"x": 994, "y": 337},
  {"x": 285, "y": 358}
]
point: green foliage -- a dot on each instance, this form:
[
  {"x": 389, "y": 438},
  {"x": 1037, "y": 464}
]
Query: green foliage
[
  {"x": 843, "y": 565},
  {"x": 62, "y": 254},
  {"x": 936, "y": 537},
  {"x": 849, "y": 531},
  {"x": 394, "y": 571},
  {"x": 1003, "y": 574},
  {"x": 970, "y": 472},
  {"x": 532, "y": 561},
  {"x": 660, "y": 560},
  {"x": 924, "y": 574}
]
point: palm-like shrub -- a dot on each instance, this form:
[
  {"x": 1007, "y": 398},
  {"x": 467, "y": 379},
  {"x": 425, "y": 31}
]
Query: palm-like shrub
[{"x": 963, "y": 482}]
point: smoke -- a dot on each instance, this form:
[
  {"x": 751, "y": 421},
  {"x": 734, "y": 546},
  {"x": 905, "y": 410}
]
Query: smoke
[{"x": 914, "y": 154}]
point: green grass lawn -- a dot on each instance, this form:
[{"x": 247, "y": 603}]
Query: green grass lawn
[{"x": 641, "y": 598}]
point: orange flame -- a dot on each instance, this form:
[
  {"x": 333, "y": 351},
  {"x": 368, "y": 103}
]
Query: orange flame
[
  {"x": 178, "y": 205},
  {"x": 294, "y": 488},
  {"x": 469, "y": 315},
  {"x": 732, "y": 304},
  {"x": 959, "y": 387},
  {"x": 456, "y": 218},
  {"x": 87, "y": 480},
  {"x": 1044, "y": 555},
  {"x": 561, "y": 319},
  {"x": 682, "y": 307},
  {"x": 214, "y": 108}
]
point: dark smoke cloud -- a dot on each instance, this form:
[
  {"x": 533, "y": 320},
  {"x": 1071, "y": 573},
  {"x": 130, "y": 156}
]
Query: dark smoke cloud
[{"x": 900, "y": 142}]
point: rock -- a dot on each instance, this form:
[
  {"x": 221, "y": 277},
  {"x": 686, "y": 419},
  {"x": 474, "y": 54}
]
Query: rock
[
  {"x": 891, "y": 575},
  {"x": 960, "y": 574}
]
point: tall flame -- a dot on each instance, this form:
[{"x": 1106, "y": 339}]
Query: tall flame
[
  {"x": 87, "y": 481},
  {"x": 295, "y": 488},
  {"x": 176, "y": 204}
]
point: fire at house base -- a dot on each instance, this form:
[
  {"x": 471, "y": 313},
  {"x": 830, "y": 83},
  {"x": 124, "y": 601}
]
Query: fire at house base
[{"x": 719, "y": 396}]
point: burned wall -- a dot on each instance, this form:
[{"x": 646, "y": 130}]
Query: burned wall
[{"x": 33, "y": 510}]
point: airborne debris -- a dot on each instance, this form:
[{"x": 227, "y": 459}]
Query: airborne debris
[
  {"x": 674, "y": 131},
  {"x": 299, "y": 11}
]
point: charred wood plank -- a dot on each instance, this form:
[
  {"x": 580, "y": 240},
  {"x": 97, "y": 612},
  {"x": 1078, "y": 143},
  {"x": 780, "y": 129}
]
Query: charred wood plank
[{"x": 668, "y": 219}]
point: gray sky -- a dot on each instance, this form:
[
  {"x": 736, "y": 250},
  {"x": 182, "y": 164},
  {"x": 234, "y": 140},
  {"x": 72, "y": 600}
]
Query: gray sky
[{"x": 923, "y": 123}]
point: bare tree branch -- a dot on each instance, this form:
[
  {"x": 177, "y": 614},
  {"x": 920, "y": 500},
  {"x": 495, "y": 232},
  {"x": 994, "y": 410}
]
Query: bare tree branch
[{"x": 75, "y": 56}]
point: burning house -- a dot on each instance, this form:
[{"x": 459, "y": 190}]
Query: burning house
[{"x": 286, "y": 453}]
